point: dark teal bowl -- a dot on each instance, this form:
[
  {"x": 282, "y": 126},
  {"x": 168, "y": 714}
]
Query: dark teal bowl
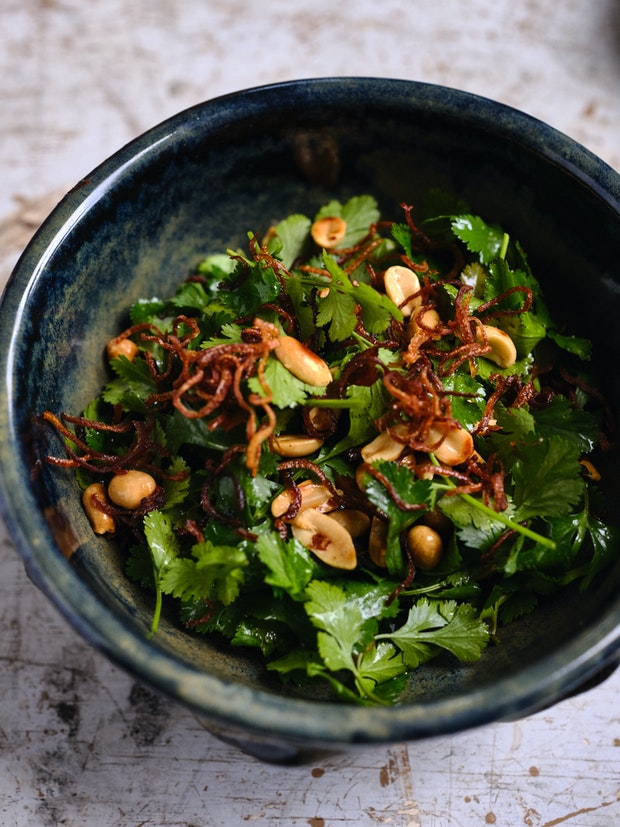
[{"x": 193, "y": 185}]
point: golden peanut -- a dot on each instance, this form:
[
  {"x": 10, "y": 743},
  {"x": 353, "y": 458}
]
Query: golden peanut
[
  {"x": 101, "y": 522},
  {"x": 456, "y": 444},
  {"x": 377, "y": 541},
  {"x": 425, "y": 545},
  {"x": 360, "y": 476},
  {"x": 295, "y": 445},
  {"x": 312, "y": 494},
  {"x": 129, "y": 488},
  {"x": 121, "y": 346},
  {"x": 356, "y": 522},
  {"x": 302, "y": 362},
  {"x": 429, "y": 318},
  {"x": 322, "y": 419},
  {"x": 503, "y": 351},
  {"x": 402, "y": 286},
  {"x": 383, "y": 446},
  {"x": 325, "y": 538},
  {"x": 328, "y": 232}
]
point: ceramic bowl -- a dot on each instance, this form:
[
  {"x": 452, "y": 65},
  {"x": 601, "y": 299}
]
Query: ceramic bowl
[{"x": 193, "y": 185}]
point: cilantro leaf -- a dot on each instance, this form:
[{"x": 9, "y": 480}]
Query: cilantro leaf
[
  {"x": 337, "y": 310},
  {"x": 547, "y": 478},
  {"x": 467, "y": 398},
  {"x": 431, "y": 625},
  {"x": 561, "y": 418},
  {"x": 139, "y": 566},
  {"x": 214, "y": 571},
  {"x": 287, "y": 391},
  {"x": 290, "y": 239},
  {"x": 182, "y": 430},
  {"x": 475, "y": 528},
  {"x": 164, "y": 549},
  {"x": 525, "y": 329},
  {"x": 248, "y": 287},
  {"x": 378, "y": 664},
  {"x": 359, "y": 212},
  {"x": 162, "y": 540},
  {"x": 347, "y": 623},
  {"x": 177, "y": 483},
  {"x": 401, "y": 233},
  {"x": 191, "y": 295},
  {"x": 95, "y": 438},
  {"x": 144, "y": 310},
  {"x": 604, "y": 538},
  {"x": 217, "y": 266},
  {"x": 340, "y": 623},
  {"x": 479, "y": 237},
  {"x": 133, "y": 385},
  {"x": 577, "y": 345},
  {"x": 289, "y": 565},
  {"x": 377, "y": 309}
]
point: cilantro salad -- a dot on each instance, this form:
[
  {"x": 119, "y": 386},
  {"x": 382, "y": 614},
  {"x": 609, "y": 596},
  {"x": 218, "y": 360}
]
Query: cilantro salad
[{"x": 355, "y": 446}]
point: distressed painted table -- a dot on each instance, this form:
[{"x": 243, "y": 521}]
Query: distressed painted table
[{"x": 81, "y": 743}]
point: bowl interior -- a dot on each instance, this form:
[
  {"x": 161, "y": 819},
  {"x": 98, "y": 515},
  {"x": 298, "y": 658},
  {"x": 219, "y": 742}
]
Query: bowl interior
[{"x": 194, "y": 185}]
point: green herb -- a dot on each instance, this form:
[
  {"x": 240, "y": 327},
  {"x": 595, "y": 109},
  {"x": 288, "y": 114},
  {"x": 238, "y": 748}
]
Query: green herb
[{"x": 456, "y": 470}]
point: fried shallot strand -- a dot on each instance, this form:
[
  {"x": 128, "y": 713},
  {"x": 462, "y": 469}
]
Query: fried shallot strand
[
  {"x": 419, "y": 401},
  {"x": 212, "y": 377},
  {"x": 135, "y": 456}
]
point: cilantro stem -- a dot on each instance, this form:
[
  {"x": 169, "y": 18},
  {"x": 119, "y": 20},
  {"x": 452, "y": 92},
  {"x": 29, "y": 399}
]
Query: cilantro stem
[
  {"x": 156, "y": 612},
  {"x": 364, "y": 343},
  {"x": 501, "y": 518},
  {"x": 334, "y": 403},
  {"x": 504, "y": 247},
  {"x": 498, "y": 516}
]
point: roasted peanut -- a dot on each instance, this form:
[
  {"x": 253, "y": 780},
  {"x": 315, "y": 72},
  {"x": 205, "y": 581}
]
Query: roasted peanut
[
  {"x": 101, "y": 522},
  {"x": 377, "y": 541},
  {"x": 356, "y": 522},
  {"x": 360, "y": 476},
  {"x": 325, "y": 538},
  {"x": 402, "y": 286},
  {"x": 503, "y": 351},
  {"x": 328, "y": 232},
  {"x": 456, "y": 443},
  {"x": 302, "y": 362},
  {"x": 425, "y": 545},
  {"x": 323, "y": 419},
  {"x": 383, "y": 446},
  {"x": 429, "y": 318},
  {"x": 121, "y": 346},
  {"x": 129, "y": 488},
  {"x": 313, "y": 495},
  {"x": 295, "y": 445}
]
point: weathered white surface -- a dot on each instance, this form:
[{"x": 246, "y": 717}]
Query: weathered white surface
[{"x": 80, "y": 742}]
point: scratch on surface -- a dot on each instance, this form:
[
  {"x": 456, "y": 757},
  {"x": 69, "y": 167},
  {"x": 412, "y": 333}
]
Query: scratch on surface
[
  {"x": 398, "y": 767},
  {"x": 580, "y": 812},
  {"x": 409, "y": 807}
]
